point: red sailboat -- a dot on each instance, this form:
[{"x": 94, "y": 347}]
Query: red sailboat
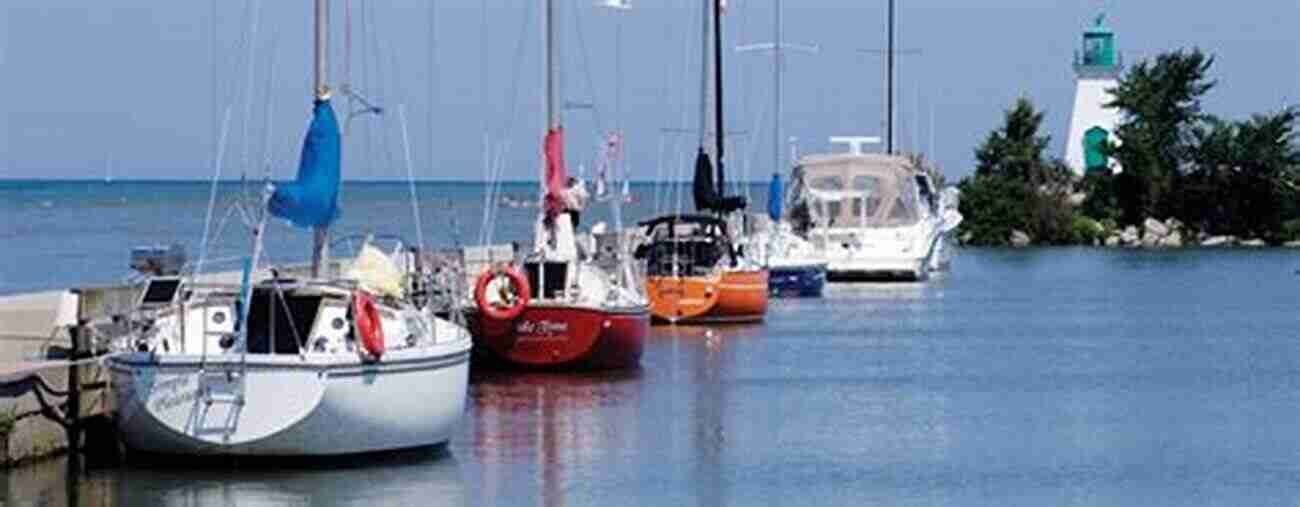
[{"x": 573, "y": 302}]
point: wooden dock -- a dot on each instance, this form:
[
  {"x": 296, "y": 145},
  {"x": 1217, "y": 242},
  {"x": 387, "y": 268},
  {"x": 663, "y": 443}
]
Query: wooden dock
[{"x": 45, "y": 391}]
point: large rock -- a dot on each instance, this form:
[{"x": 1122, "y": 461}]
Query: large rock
[
  {"x": 965, "y": 238},
  {"x": 1173, "y": 240},
  {"x": 1292, "y": 244},
  {"x": 1130, "y": 236},
  {"x": 1217, "y": 241},
  {"x": 1112, "y": 241},
  {"x": 1019, "y": 239},
  {"x": 1253, "y": 243},
  {"x": 1154, "y": 229}
]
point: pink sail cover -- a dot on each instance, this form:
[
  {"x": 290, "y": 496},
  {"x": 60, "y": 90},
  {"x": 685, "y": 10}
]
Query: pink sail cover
[{"x": 555, "y": 177}]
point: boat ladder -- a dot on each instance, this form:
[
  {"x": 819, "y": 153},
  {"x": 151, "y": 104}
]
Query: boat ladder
[{"x": 221, "y": 397}]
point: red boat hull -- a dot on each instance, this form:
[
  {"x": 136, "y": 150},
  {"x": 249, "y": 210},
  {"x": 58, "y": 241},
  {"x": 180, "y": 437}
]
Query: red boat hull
[{"x": 559, "y": 336}]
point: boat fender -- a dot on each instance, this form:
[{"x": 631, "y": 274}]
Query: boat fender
[
  {"x": 366, "y": 315},
  {"x": 510, "y": 308}
]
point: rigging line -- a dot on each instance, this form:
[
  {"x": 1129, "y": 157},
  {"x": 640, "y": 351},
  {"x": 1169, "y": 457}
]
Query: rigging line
[
  {"x": 381, "y": 84},
  {"x": 659, "y": 171},
  {"x": 664, "y": 102},
  {"x": 212, "y": 62},
  {"x": 483, "y": 71},
  {"x": 487, "y": 169},
  {"x": 251, "y": 64},
  {"x": 410, "y": 175},
  {"x": 586, "y": 67},
  {"x": 221, "y": 226},
  {"x": 270, "y": 83},
  {"x": 678, "y": 145},
  {"x": 752, "y": 150},
  {"x": 433, "y": 81},
  {"x": 293, "y": 328},
  {"x": 398, "y": 91},
  {"x": 212, "y": 193},
  {"x": 512, "y": 98},
  {"x": 490, "y": 212},
  {"x": 367, "y": 74}
]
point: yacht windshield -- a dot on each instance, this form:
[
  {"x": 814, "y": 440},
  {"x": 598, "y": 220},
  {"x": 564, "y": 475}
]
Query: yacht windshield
[{"x": 857, "y": 191}]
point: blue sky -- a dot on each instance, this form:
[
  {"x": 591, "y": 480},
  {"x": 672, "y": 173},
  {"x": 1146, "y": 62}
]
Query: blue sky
[{"x": 132, "y": 83}]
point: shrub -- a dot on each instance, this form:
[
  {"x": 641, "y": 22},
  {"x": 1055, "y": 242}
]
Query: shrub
[
  {"x": 1291, "y": 230},
  {"x": 1086, "y": 230}
]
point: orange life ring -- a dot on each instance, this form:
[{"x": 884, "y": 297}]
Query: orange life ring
[
  {"x": 366, "y": 315},
  {"x": 511, "y": 309}
]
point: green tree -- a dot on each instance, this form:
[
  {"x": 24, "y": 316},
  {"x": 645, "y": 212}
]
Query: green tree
[
  {"x": 1016, "y": 149},
  {"x": 1242, "y": 179},
  {"x": 1161, "y": 106},
  {"x": 1016, "y": 186}
]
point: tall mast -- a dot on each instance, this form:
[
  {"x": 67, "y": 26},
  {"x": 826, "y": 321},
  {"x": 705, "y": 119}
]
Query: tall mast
[
  {"x": 717, "y": 93},
  {"x": 320, "y": 90},
  {"x": 322, "y": 46},
  {"x": 705, "y": 42},
  {"x": 777, "y": 53},
  {"x": 889, "y": 85},
  {"x": 550, "y": 25}
]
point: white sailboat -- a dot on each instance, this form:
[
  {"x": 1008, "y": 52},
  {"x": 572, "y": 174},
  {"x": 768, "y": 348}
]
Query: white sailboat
[{"x": 327, "y": 364}]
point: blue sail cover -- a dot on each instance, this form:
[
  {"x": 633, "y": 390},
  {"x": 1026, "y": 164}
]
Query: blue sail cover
[
  {"x": 775, "y": 198},
  {"x": 312, "y": 200}
]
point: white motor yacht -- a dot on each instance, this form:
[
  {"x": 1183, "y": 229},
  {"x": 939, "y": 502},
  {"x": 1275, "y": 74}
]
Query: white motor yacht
[{"x": 872, "y": 216}]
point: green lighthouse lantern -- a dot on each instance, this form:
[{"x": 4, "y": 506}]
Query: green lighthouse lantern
[
  {"x": 1098, "y": 56},
  {"x": 1099, "y": 44}
]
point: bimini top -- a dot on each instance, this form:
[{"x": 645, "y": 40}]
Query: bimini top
[
  {"x": 703, "y": 220},
  {"x": 855, "y": 190}
]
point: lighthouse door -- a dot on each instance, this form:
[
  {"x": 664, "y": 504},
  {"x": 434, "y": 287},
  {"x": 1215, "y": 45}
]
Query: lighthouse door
[{"x": 1093, "y": 140}]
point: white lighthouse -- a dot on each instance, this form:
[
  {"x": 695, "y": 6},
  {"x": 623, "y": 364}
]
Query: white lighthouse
[{"x": 1092, "y": 122}]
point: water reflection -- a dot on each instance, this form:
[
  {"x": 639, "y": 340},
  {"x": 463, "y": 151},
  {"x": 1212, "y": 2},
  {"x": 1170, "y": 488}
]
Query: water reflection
[
  {"x": 423, "y": 476},
  {"x": 543, "y": 430}
]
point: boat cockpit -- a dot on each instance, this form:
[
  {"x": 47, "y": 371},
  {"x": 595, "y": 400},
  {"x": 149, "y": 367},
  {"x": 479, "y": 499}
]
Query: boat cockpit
[{"x": 685, "y": 245}]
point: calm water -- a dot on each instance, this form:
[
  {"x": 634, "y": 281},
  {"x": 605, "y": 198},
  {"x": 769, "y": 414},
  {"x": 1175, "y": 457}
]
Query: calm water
[
  {"x": 1047, "y": 377},
  {"x": 78, "y": 233}
]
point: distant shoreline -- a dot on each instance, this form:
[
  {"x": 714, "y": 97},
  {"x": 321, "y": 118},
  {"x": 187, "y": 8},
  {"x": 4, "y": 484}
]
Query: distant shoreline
[{"x": 388, "y": 181}]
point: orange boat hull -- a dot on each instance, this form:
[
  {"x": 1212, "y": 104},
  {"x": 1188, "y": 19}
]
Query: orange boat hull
[{"x": 732, "y": 296}]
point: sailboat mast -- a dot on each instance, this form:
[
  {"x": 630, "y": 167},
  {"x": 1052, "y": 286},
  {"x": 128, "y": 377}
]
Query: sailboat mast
[
  {"x": 705, "y": 43},
  {"x": 777, "y": 54},
  {"x": 889, "y": 86},
  {"x": 717, "y": 93},
  {"x": 322, "y": 45},
  {"x": 550, "y": 22},
  {"x": 320, "y": 234}
]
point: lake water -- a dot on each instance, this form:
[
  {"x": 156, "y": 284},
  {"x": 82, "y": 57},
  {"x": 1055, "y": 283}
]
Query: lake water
[{"x": 1037, "y": 377}]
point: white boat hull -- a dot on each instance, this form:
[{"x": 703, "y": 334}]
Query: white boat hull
[
  {"x": 289, "y": 405},
  {"x": 898, "y": 254}
]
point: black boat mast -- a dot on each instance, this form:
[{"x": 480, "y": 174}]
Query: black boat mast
[{"x": 720, "y": 132}]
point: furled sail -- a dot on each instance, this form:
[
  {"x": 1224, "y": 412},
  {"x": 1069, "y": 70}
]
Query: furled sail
[
  {"x": 706, "y": 196},
  {"x": 775, "y": 198},
  {"x": 312, "y": 199},
  {"x": 555, "y": 176}
]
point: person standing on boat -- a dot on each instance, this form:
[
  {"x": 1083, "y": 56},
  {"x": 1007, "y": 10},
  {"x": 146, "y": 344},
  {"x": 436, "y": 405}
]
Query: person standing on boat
[{"x": 575, "y": 199}]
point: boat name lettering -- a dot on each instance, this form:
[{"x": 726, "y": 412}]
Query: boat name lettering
[
  {"x": 542, "y": 327},
  {"x": 175, "y": 399},
  {"x": 174, "y": 392}
]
